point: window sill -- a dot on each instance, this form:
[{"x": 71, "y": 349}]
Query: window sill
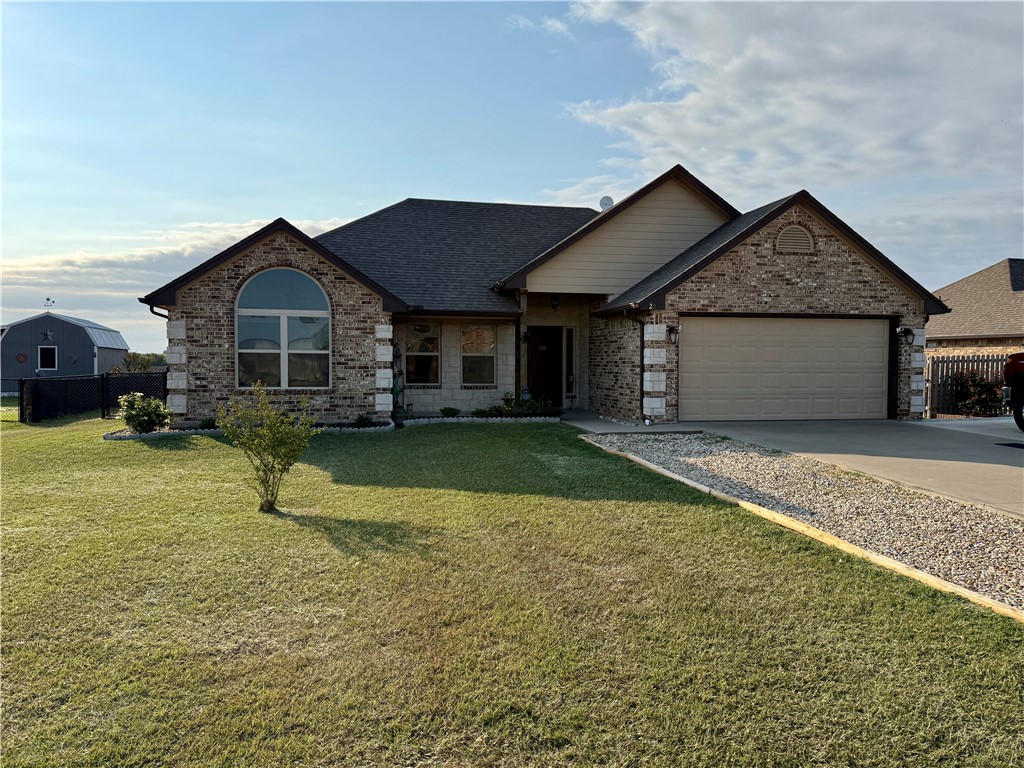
[
  {"x": 422, "y": 386},
  {"x": 479, "y": 386}
]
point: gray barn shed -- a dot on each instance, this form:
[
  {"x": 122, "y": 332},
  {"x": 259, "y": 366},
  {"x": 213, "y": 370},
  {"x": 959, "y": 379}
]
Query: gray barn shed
[{"x": 56, "y": 345}]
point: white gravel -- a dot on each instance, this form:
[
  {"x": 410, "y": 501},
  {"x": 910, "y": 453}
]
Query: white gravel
[{"x": 956, "y": 541}]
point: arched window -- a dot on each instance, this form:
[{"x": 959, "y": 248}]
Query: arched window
[
  {"x": 796, "y": 239},
  {"x": 283, "y": 331}
]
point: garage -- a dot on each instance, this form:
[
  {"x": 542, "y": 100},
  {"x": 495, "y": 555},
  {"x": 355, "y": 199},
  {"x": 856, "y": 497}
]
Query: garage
[{"x": 751, "y": 368}]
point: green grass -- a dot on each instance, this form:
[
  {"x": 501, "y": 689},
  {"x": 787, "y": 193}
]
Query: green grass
[
  {"x": 9, "y": 413},
  {"x": 460, "y": 595}
]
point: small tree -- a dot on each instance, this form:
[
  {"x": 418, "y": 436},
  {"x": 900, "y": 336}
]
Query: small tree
[
  {"x": 271, "y": 440},
  {"x": 140, "y": 362}
]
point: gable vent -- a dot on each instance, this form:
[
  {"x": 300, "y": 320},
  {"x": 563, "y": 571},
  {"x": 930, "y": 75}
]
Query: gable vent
[{"x": 795, "y": 238}]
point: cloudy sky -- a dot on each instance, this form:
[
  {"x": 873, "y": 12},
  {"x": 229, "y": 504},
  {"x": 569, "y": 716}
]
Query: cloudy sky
[{"x": 140, "y": 139}]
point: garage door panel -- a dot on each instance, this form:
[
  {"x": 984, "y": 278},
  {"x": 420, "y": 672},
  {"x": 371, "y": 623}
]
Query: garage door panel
[{"x": 782, "y": 368}]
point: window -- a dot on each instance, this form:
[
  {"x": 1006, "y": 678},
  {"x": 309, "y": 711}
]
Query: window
[
  {"x": 283, "y": 331},
  {"x": 478, "y": 355},
  {"x": 47, "y": 359},
  {"x": 423, "y": 354}
]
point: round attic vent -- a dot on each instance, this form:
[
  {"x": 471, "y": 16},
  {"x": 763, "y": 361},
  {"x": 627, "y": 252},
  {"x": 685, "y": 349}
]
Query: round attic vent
[{"x": 796, "y": 239}]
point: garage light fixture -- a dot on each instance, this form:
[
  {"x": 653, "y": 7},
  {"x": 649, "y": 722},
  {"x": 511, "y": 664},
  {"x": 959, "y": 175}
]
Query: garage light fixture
[
  {"x": 906, "y": 332},
  {"x": 673, "y": 334}
]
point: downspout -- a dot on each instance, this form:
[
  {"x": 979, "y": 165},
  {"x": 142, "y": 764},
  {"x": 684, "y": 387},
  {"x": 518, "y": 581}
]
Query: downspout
[{"x": 152, "y": 310}]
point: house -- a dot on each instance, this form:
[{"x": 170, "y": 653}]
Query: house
[
  {"x": 57, "y": 345},
  {"x": 670, "y": 304},
  {"x": 987, "y": 316}
]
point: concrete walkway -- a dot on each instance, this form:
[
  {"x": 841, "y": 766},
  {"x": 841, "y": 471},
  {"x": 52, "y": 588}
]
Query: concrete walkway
[{"x": 977, "y": 460}]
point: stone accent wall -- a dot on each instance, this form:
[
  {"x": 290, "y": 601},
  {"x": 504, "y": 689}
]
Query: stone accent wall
[
  {"x": 615, "y": 367},
  {"x": 834, "y": 279},
  {"x": 425, "y": 401},
  {"x": 1001, "y": 347},
  {"x": 201, "y": 339}
]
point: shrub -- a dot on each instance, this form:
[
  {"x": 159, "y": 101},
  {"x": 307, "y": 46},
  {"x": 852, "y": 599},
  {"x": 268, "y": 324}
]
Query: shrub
[
  {"x": 450, "y": 413},
  {"x": 210, "y": 422},
  {"x": 271, "y": 440},
  {"x": 143, "y": 414},
  {"x": 511, "y": 406},
  {"x": 977, "y": 395},
  {"x": 363, "y": 420}
]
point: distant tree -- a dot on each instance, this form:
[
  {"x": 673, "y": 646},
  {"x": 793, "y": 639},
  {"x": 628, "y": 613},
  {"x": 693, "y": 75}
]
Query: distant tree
[{"x": 140, "y": 362}]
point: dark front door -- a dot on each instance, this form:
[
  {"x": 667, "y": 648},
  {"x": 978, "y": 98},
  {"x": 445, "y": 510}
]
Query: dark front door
[{"x": 544, "y": 363}]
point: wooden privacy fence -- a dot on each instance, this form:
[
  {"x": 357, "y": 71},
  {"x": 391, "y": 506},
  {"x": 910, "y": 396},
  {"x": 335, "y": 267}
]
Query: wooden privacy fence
[{"x": 944, "y": 396}]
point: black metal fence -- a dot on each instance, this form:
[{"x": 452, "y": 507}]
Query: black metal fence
[
  {"x": 947, "y": 392},
  {"x": 53, "y": 396}
]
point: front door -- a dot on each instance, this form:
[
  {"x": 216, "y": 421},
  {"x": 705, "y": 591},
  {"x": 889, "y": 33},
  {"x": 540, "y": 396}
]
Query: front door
[{"x": 544, "y": 363}]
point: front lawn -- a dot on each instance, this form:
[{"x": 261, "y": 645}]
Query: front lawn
[{"x": 460, "y": 595}]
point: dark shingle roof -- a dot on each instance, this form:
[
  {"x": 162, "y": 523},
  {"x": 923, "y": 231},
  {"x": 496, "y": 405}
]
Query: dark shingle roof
[
  {"x": 988, "y": 303},
  {"x": 442, "y": 255},
  {"x": 662, "y": 278}
]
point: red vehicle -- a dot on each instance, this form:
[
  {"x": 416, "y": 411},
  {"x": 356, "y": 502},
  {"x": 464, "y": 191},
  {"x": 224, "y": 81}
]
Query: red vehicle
[{"x": 1013, "y": 392}]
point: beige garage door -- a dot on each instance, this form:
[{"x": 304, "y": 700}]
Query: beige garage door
[{"x": 782, "y": 368}]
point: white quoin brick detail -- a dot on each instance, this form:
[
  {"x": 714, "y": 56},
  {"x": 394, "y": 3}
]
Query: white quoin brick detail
[
  {"x": 177, "y": 380},
  {"x": 177, "y": 403},
  {"x": 654, "y": 406},
  {"x": 919, "y": 337},
  {"x": 917, "y": 400},
  {"x": 916, "y": 408},
  {"x": 655, "y": 356},
  {"x": 384, "y": 403},
  {"x": 384, "y": 378},
  {"x": 654, "y": 332},
  {"x": 917, "y": 359},
  {"x": 175, "y": 330},
  {"x": 383, "y": 331},
  {"x": 385, "y": 354},
  {"x": 655, "y": 382},
  {"x": 176, "y": 356}
]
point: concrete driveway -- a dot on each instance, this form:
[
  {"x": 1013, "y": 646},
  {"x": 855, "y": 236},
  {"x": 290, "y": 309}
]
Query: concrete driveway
[{"x": 979, "y": 460}]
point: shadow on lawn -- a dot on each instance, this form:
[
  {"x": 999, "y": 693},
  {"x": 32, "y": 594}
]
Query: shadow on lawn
[
  {"x": 362, "y": 537},
  {"x": 536, "y": 459}
]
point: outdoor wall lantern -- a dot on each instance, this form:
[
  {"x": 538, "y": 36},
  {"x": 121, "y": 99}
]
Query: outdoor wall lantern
[
  {"x": 673, "y": 334},
  {"x": 526, "y": 335},
  {"x": 554, "y": 302},
  {"x": 906, "y": 332}
]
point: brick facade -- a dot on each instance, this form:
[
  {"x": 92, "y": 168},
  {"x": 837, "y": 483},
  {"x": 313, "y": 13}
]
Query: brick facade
[
  {"x": 833, "y": 279},
  {"x": 615, "y": 368},
  {"x": 201, "y": 339},
  {"x": 946, "y": 347}
]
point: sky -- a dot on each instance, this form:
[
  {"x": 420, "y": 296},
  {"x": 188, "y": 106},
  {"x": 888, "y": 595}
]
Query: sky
[{"x": 140, "y": 139}]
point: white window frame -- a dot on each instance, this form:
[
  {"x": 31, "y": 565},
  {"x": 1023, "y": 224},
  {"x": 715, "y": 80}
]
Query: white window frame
[
  {"x": 494, "y": 358},
  {"x": 282, "y": 353},
  {"x": 39, "y": 358}
]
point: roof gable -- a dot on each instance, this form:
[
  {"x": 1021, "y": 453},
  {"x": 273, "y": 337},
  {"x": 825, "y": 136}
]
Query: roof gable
[
  {"x": 652, "y": 290},
  {"x": 166, "y": 295},
  {"x": 517, "y": 278},
  {"x": 989, "y": 303}
]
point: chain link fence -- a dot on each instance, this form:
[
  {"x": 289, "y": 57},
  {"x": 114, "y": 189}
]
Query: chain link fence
[{"x": 47, "y": 398}]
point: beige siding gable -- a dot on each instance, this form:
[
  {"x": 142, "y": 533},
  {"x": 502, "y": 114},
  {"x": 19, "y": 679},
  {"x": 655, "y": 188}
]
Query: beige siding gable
[{"x": 631, "y": 245}]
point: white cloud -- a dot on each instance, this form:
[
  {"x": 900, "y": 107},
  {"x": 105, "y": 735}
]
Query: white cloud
[
  {"x": 856, "y": 100},
  {"x": 549, "y": 24}
]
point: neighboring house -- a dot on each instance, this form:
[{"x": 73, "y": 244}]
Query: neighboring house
[
  {"x": 670, "y": 304},
  {"x": 56, "y": 345},
  {"x": 987, "y": 313}
]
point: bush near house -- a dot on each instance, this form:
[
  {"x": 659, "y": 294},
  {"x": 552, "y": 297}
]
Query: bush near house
[
  {"x": 975, "y": 394},
  {"x": 143, "y": 414},
  {"x": 511, "y": 405}
]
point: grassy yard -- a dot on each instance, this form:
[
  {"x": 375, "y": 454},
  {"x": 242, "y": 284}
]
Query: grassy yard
[
  {"x": 9, "y": 413},
  {"x": 460, "y": 595}
]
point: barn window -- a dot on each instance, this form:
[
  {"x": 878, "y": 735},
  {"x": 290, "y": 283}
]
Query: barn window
[
  {"x": 796, "y": 239},
  {"x": 47, "y": 359},
  {"x": 283, "y": 331}
]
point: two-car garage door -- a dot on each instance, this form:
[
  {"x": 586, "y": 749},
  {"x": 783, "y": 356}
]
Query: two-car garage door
[{"x": 782, "y": 368}]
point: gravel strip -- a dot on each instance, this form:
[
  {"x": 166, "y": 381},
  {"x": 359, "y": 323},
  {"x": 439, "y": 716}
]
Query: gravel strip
[{"x": 956, "y": 541}]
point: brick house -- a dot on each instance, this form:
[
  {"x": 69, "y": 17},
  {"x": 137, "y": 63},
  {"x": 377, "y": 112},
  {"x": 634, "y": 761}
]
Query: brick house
[
  {"x": 670, "y": 304},
  {"x": 987, "y": 313}
]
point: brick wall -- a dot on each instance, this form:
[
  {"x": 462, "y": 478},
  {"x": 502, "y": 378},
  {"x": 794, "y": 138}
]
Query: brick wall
[
  {"x": 945, "y": 347},
  {"x": 834, "y": 279},
  {"x": 201, "y": 339},
  {"x": 615, "y": 369}
]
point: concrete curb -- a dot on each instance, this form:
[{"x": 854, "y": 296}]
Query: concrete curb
[
  {"x": 482, "y": 420},
  {"x": 389, "y": 427},
  {"x": 827, "y": 538}
]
